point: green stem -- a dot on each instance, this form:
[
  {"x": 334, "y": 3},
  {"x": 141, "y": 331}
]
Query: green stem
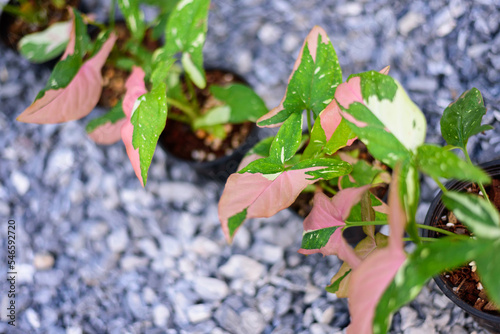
[
  {"x": 328, "y": 188},
  {"x": 436, "y": 229},
  {"x": 112, "y": 14},
  {"x": 481, "y": 186},
  {"x": 421, "y": 238},
  {"x": 440, "y": 185},
  {"x": 192, "y": 92},
  {"x": 184, "y": 108},
  {"x": 309, "y": 121},
  {"x": 16, "y": 11},
  {"x": 375, "y": 222},
  {"x": 179, "y": 118}
]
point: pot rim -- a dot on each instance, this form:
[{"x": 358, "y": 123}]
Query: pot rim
[{"x": 493, "y": 169}]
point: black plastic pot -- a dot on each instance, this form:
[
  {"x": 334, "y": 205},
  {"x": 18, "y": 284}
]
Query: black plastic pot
[
  {"x": 220, "y": 168},
  {"x": 486, "y": 320}
]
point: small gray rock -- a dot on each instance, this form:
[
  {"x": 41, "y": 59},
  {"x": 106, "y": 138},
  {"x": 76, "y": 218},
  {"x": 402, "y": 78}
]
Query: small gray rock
[{"x": 210, "y": 288}]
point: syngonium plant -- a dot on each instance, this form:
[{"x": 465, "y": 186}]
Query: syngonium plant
[
  {"x": 156, "y": 83},
  {"x": 378, "y": 275}
]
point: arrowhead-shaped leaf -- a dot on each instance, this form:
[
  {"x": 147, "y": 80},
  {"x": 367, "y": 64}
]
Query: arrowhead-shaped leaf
[
  {"x": 45, "y": 45},
  {"x": 268, "y": 189},
  {"x": 387, "y": 108},
  {"x": 73, "y": 89},
  {"x": 462, "y": 119},
  {"x": 323, "y": 226},
  {"x": 371, "y": 278},
  {"x": 186, "y": 31},
  {"x": 135, "y": 89},
  {"x": 149, "y": 121},
  {"x": 439, "y": 162},
  {"x": 312, "y": 84},
  {"x": 106, "y": 129}
]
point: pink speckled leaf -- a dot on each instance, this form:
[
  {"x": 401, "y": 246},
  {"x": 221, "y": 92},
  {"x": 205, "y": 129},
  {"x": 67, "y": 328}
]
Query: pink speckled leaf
[
  {"x": 323, "y": 226},
  {"x": 108, "y": 134},
  {"x": 78, "y": 98},
  {"x": 369, "y": 280},
  {"x": 263, "y": 196},
  {"x": 135, "y": 88},
  {"x": 312, "y": 42}
]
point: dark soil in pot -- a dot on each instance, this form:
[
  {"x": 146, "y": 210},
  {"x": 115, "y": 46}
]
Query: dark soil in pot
[
  {"x": 13, "y": 28},
  {"x": 114, "y": 78},
  {"x": 463, "y": 285},
  {"x": 304, "y": 202},
  {"x": 208, "y": 155}
]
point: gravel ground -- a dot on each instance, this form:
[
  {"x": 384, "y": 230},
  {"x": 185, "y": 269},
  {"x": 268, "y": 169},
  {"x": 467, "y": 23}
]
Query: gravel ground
[{"x": 97, "y": 253}]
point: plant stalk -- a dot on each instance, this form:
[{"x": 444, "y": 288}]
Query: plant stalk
[
  {"x": 481, "y": 186},
  {"x": 436, "y": 229},
  {"x": 187, "y": 110}
]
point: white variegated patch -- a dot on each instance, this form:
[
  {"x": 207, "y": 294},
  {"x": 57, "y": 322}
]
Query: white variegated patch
[
  {"x": 47, "y": 44},
  {"x": 193, "y": 72},
  {"x": 401, "y": 117}
]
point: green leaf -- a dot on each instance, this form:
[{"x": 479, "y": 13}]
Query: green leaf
[
  {"x": 235, "y": 221},
  {"x": 364, "y": 173},
  {"x": 489, "y": 271},
  {"x": 425, "y": 262},
  {"x": 383, "y": 145},
  {"x": 244, "y": 103},
  {"x": 45, "y": 45},
  {"x": 438, "y": 162},
  {"x": 332, "y": 168},
  {"x": 355, "y": 215},
  {"x": 316, "y": 239},
  {"x": 82, "y": 39},
  {"x": 262, "y": 147},
  {"x": 318, "y": 140},
  {"x": 214, "y": 116},
  {"x": 462, "y": 118},
  {"x": 312, "y": 86},
  {"x": 149, "y": 121},
  {"x": 334, "y": 287},
  {"x": 264, "y": 166},
  {"x": 287, "y": 141},
  {"x": 62, "y": 74},
  {"x": 340, "y": 137},
  {"x": 112, "y": 116},
  {"x": 66, "y": 69},
  {"x": 388, "y": 102},
  {"x": 133, "y": 17},
  {"x": 409, "y": 193},
  {"x": 186, "y": 32},
  {"x": 475, "y": 212}
]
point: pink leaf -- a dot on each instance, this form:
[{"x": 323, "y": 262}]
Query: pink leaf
[
  {"x": 108, "y": 133},
  {"x": 312, "y": 43},
  {"x": 264, "y": 195},
  {"x": 333, "y": 212},
  {"x": 75, "y": 100},
  {"x": 369, "y": 281},
  {"x": 135, "y": 88}
]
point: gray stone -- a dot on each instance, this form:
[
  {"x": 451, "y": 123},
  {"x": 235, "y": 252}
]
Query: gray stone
[
  {"x": 161, "y": 315},
  {"x": 241, "y": 266},
  {"x": 118, "y": 240},
  {"x": 210, "y": 288},
  {"x": 20, "y": 182},
  {"x": 43, "y": 261},
  {"x": 33, "y": 318},
  {"x": 269, "y": 34},
  {"x": 199, "y": 312},
  {"x": 410, "y": 21}
]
